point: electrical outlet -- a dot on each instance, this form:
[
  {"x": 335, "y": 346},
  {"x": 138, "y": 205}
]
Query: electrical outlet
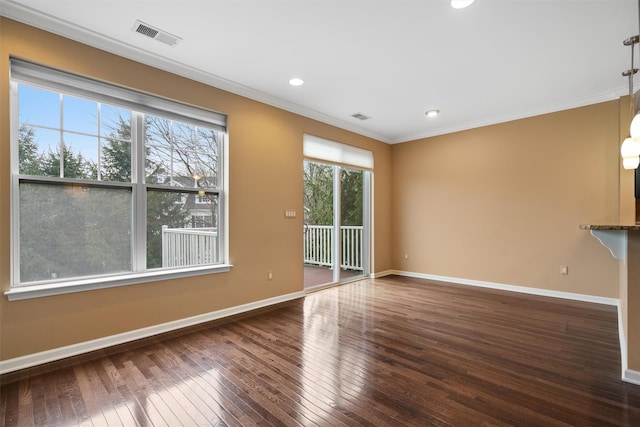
[
  {"x": 269, "y": 275},
  {"x": 564, "y": 270},
  {"x": 406, "y": 256}
]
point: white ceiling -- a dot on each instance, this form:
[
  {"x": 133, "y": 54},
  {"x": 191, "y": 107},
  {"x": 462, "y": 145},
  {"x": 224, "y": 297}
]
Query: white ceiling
[{"x": 391, "y": 60}]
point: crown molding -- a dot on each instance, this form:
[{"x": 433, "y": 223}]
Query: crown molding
[{"x": 605, "y": 96}]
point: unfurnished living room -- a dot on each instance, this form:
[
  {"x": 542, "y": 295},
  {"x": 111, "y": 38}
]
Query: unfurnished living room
[{"x": 320, "y": 213}]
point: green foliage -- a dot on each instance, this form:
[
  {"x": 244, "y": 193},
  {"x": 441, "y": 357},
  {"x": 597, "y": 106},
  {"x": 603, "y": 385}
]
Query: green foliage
[
  {"x": 28, "y": 156},
  {"x": 116, "y": 154},
  {"x": 351, "y": 186},
  {"x": 318, "y": 195},
  {"x": 75, "y": 165},
  {"x": 32, "y": 162}
]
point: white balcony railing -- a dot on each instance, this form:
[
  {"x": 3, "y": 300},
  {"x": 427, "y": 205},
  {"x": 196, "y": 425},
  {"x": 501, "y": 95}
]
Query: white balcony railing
[
  {"x": 189, "y": 246},
  {"x": 199, "y": 246},
  {"x": 318, "y": 244}
]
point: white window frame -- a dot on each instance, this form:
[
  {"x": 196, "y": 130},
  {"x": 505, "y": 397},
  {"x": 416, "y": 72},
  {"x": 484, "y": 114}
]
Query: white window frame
[{"x": 46, "y": 78}]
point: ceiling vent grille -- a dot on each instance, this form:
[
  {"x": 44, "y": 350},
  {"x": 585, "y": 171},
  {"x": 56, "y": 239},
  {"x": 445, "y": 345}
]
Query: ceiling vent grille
[
  {"x": 155, "y": 33},
  {"x": 360, "y": 116}
]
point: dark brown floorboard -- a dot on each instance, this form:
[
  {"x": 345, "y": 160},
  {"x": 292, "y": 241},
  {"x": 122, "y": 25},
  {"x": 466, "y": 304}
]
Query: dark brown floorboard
[{"x": 387, "y": 352}]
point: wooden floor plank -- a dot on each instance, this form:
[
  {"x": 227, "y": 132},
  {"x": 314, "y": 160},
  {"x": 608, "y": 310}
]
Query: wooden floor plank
[
  {"x": 218, "y": 387},
  {"x": 200, "y": 405},
  {"x": 290, "y": 376},
  {"x": 129, "y": 410},
  {"x": 11, "y": 406},
  {"x": 53, "y": 413},
  {"x": 313, "y": 375},
  {"x": 103, "y": 402},
  {"x": 89, "y": 396},
  {"x": 387, "y": 352}
]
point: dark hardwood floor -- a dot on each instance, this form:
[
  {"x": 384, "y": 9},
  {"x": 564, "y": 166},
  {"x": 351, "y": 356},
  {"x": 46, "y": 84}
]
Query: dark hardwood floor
[{"x": 387, "y": 352}]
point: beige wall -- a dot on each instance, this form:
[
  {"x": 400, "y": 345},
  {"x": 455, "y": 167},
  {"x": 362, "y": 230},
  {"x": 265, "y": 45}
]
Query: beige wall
[
  {"x": 503, "y": 203},
  {"x": 265, "y": 178}
]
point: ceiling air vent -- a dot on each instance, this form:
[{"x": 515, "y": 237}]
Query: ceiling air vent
[
  {"x": 360, "y": 116},
  {"x": 155, "y": 33}
]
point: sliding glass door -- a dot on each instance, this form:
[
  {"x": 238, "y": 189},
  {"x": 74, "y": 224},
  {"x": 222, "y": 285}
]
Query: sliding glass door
[
  {"x": 336, "y": 205},
  {"x": 352, "y": 223}
]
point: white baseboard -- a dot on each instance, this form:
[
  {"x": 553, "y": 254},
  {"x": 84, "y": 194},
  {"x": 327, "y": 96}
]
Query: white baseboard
[
  {"x": 624, "y": 363},
  {"x": 382, "y": 274},
  {"x": 28, "y": 361},
  {"x": 631, "y": 376},
  {"x": 512, "y": 288}
]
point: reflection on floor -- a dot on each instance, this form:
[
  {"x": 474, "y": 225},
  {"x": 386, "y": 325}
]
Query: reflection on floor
[{"x": 316, "y": 276}]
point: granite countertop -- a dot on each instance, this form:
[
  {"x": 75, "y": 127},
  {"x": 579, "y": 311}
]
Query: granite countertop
[{"x": 611, "y": 226}]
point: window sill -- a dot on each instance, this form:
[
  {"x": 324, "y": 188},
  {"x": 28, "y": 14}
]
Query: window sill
[{"x": 60, "y": 288}]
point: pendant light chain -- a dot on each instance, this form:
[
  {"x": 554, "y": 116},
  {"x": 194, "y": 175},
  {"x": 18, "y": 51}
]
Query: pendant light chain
[{"x": 632, "y": 71}]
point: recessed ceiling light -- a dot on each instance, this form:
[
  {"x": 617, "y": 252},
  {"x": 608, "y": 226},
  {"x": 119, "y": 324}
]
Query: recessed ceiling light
[
  {"x": 432, "y": 113},
  {"x": 461, "y": 4},
  {"x": 296, "y": 81}
]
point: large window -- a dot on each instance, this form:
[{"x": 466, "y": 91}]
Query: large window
[{"x": 110, "y": 185}]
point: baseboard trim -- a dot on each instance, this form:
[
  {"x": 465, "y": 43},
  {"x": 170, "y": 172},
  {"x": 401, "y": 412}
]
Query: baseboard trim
[
  {"x": 31, "y": 360},
  {"x": 631, "y": 376},
  {"x": 382, "y": 274},
  {"x": 512, "y": 288}
]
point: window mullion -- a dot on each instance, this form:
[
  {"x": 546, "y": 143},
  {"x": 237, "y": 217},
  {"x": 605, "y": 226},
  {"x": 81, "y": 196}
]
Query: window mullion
[
  {"x": 337, "y": 223},
  {"x": 222, "y": 180},
  {"x": 99, "y": 147},
  {"x": 15, "y": 183},
  {"x": 139, "y": 217},
  {"x": 61, "y": 144}
]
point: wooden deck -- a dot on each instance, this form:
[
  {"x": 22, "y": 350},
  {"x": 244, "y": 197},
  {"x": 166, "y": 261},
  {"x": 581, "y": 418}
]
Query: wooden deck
[
  {"x": 317, "y": 276},
  {"x": 386, "y": 352}
]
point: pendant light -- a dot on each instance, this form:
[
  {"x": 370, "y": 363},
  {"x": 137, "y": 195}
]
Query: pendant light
[
  {"x": 630, "y": 149},
  {"x": 635, "y": 126}
]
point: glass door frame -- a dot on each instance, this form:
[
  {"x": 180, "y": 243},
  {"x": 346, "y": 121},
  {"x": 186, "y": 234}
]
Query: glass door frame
[
  {"x": 337, "y": 223},
  {"x": 337, "y": 220}
]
